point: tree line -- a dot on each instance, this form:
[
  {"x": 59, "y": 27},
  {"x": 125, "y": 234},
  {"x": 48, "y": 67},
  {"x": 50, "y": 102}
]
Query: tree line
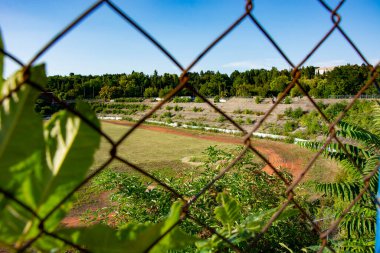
[{"x": 342, "y": 80}]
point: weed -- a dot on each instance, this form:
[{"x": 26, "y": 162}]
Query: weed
[
  {"x": 198, "y": 100},
  {"x": 258, "y": 99},
  {"x": 178, "y": 108},
  {"x": 288, "y": 100},
  {"x": 221, "y": 118},
  {"x": 197, "y": 109},
  {"x": 167, "y": 115}
]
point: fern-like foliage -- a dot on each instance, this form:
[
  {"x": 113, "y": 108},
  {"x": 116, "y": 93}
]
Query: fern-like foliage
[
  {"x": 357, "y": 245},
  {"x": 376, "y": 120},
  {"x": 360, "y": 222},
  {"x": 370, "y": 140},
  {"x": 335, "y": 151},
  {"x": 357, "y": 230}
]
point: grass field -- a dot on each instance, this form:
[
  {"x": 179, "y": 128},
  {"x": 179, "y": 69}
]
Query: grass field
[
  {"x": 161, "y": 151},
  {"x": 153, "y": 150}
]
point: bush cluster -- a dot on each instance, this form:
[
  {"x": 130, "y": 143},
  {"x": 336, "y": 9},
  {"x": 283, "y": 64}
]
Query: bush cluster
[
  {"x": 256, "y": 191},
  {"x": 198, "y": 109},
  {"x": 294, "y": 114},
  {"x": 182, "y": 100},
  {"x": 118, "y": 108},
  {"x": 129, "y": 100}
]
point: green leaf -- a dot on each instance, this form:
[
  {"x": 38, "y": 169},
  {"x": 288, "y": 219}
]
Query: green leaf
[
  {"x": 39, "y": 165},
  {"x": 176, "y": 239},
  {"x": 18, "y": 141},
  {"x": 357, "y": 133},
  {"x": 229, "y": 211},
  {"x": 21, "y": 150},
  {"x": 70, "y": 148},
  {"x": 256, "y": 221},
  {"x": 229, "y": 214},
  {"x": 133, "y": 237}
]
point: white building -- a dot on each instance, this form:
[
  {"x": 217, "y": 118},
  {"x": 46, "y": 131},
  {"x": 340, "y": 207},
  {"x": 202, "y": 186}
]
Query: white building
[{"x": 323, "y": 70}]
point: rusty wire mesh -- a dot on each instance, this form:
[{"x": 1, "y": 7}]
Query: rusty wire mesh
[{"x": 248, "y": 13}]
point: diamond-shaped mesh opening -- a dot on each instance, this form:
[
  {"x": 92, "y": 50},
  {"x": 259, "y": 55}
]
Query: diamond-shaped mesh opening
[{"x": 204, "y": 192}]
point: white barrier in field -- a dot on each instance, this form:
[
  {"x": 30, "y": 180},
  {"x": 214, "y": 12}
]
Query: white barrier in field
[
  {"x": 222, "y": 130},
  {"x": 110, "y": 117},
  {"x": 210, "y": 129}
]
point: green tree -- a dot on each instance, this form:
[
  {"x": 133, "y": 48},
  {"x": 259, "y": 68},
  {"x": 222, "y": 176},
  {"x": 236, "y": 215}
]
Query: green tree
[
  {"x": 278, "y": 84},
  {"x": 150, "y": 92},
  {"x": 163, "y": 92}
]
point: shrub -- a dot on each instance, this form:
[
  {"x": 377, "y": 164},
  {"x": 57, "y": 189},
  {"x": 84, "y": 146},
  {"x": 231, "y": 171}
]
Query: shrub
[
  {"x": 197, "y": 109},
  {"x": 258, "y": 99},
  {"x": 290, "y": 126},
  {"x": 248, "y": 111},
  {"x": 249, "y": 121},
  {"x": 294, "y": 114},
  {"x": 334, "y": 109},
  {"x": 167, "y": 115},
  {"x": 169, "y": 108},
  {"x": 274, "y": 129},
  {"x": 221, "y": 118},
  {"x": 128, "y": 99},
  {"x": 179, "y": 116},
  {"x": 288, "y": 100},
  {"x": 239, "y": 120},
  {"x": 182, "y": 100},
  {"x": 198, "y": 100},
  {"x": 258, "y": 113},
  {"x": 313, "y": 122},
  {"x": 178, "y": 108},
  {"x": 289, "y": 140},
  {"x": 133, "y": 107},
  {"x": 216, "y": 99},
  {"x": 321, "y": 105},
  {"x": 127, "y": 118},
  {"x": 288, "y": 112},
  {"x": 297, "y": 113}
]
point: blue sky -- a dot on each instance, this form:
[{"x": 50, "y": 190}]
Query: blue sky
[{"x": 104, "y": 43}]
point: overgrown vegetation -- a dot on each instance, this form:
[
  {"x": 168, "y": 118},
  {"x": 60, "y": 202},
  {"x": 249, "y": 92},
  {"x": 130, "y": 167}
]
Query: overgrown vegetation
[
  {"x": 118, "y": 108},
  {"x": 357, "y": 230},
  {"x": 182, "y": 100},
  {"x": 255, "y": 198}
]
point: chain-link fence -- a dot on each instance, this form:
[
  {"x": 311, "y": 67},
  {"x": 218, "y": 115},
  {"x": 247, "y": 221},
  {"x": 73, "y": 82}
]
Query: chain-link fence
[{"x": 249, "y": 14}]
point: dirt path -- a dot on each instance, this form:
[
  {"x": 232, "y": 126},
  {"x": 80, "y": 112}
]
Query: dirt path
[
  {"x": 74, "y": 220},
  {"x": 294, "y": 167}
]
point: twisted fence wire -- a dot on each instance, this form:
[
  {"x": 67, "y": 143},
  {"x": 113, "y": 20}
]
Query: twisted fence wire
[{"x": 245, "y": 140}]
